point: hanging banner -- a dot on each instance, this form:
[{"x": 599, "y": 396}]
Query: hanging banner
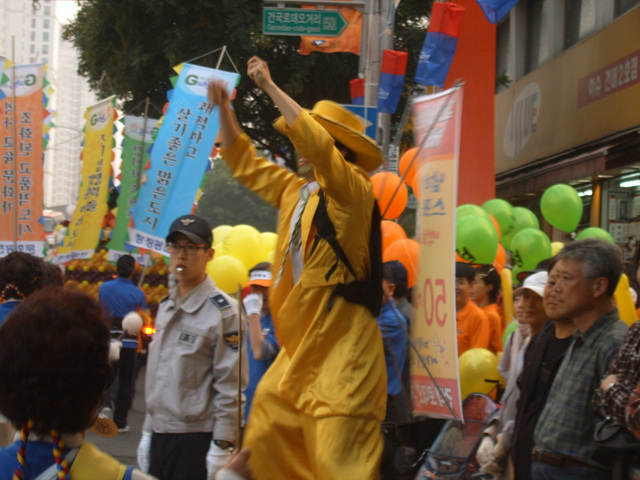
[
  {"x": 85, "y": 227},
  {"x": 21, "y": 152},
  {"x": 436, "y": 117},
  {"x": 348, "y": 41},
  {"x": 179, "y": 156},
  {"x": 138, "y": 138},
  {"x": 440, "y": 44},
  {"x": 394, "y": 66},
  {"x": 496, "y": 10}
]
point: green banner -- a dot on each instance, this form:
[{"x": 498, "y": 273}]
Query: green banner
[{"x": 139, "y": 134}]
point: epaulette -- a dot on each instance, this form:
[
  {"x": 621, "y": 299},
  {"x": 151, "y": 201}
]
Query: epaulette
[{"x": 220, "y": 301}]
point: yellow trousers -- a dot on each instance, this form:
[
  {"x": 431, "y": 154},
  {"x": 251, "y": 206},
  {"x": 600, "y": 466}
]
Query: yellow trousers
[{"x": 288, "y": 444}]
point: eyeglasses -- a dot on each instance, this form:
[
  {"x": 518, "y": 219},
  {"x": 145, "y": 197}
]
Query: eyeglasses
[{"x": 189, "y": 248}]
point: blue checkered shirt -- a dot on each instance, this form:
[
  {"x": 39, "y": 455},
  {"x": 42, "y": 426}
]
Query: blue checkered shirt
[{"x": 567, "y": 423}]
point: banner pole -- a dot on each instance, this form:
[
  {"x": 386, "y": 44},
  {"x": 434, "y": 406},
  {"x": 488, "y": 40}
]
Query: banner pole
[
  {"x": 15, "y": 150},
  {"x": 224, "y": 50}
]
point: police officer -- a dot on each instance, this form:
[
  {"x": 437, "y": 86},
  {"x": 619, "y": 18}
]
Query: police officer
[{"x": 192, "y": 369}]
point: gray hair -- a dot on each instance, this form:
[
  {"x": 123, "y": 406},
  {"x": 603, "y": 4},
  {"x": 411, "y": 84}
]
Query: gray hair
[{"x": 599, "y": 259}]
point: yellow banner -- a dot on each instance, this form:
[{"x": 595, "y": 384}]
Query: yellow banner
[
  {"x": 21, "y": 153},
  {"x": 434, "y": 369},
  {"x": 85, "y": 227}
]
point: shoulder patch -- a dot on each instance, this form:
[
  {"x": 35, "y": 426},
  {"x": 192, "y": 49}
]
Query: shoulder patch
[
  {"x": 220, "y": 301},
  {"x": 231, "y": 340}
]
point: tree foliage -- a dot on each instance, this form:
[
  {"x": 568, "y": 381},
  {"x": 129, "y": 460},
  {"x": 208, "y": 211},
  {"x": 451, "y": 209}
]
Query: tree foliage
[{"x": 129, "y": 48}]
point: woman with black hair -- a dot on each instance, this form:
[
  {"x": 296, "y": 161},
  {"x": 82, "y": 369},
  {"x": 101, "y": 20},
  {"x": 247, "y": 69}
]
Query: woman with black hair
[{"x": 485, "y": 289}]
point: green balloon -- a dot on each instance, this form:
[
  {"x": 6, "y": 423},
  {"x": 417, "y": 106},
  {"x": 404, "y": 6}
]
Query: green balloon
[
  {"x": 529, "y": 247},
  {"x": 561, "y": 206},
  {"x": 470, "y": 209},
  {"x": 524, "y": 218},
  {"x": 595, "y": 232},
  {"x": 502, "y": 211},
  {"x": 476, "y": 239},
  {"x": 508, "y": 331}
]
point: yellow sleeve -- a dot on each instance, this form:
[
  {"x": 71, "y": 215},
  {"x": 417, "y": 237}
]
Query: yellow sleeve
[{"x": 342, "y": 181}]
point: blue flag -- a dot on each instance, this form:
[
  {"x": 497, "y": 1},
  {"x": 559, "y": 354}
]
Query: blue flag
[{"x": 495, "y": 10}]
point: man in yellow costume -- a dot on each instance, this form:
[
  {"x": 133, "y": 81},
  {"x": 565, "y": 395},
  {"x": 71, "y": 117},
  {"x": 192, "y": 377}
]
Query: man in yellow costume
[{"x": 317, "y": 410}]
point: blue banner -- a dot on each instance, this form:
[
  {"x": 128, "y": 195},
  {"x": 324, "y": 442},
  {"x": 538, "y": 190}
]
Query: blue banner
[
  {"x": 179, "y": 157},
  {"x": 495, "y": 10}
]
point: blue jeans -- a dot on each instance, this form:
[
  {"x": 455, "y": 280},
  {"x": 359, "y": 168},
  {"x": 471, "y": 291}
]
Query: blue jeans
[{"x": 542, "y": 471}]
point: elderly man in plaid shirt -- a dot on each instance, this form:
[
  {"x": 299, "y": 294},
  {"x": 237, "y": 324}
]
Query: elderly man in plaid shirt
[{"x": 582, "y": 284}]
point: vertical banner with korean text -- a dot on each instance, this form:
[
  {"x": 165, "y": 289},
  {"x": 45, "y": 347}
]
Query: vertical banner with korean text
[
  {"x": 85, "y": 228},
  {"x": 436, "y": 117},
  {"x": 139, "y": 133},
  {"x": 21, "y": 154},
  {"x": 179, "y": 157}
]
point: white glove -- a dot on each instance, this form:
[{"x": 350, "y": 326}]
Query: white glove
[
  {"x": 144, "y": 450},
  {"x": 252, "y": 303},
  {"x": 484, "y": 454},
  {"x": 114, "y": 350},
  {"x": 217, "y": 458}
]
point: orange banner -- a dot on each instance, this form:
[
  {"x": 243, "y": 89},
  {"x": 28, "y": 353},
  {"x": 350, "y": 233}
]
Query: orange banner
[
  {"x": 347, "y": 41},
  {"x": 21, "y": 153}
]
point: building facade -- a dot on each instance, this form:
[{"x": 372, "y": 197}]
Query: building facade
[{"x": 568, "y": 109}]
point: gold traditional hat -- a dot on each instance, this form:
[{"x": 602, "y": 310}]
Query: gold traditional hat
[{"x": 347, "y": 128}]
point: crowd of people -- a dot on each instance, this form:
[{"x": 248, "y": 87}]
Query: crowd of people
[{"x": 307, "y": 374}]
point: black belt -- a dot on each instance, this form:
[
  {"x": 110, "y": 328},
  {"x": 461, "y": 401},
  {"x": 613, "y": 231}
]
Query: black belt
[{"x": 558, "y": 460}]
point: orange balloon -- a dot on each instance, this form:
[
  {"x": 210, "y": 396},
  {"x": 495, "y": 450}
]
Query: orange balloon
[
  {"x": 460, "y": 259},
  {"x": 391, "y": 231},
  {"x": 501, "y": 259},
  {"x": 496, "y": 225},
  {"x": 391, "y": 194},
  {"x": 407, "y": 252},
  {"x": 408, "y": 166}
]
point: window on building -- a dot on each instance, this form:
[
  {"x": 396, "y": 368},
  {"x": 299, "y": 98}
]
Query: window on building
[
  {"x": 45, "y": 36},
  {"x": 538, "y": 35},
  {"x": 623, "y": 6},
  {"x": 47, "y": 11},
  {"x": 45, "y": 23},
  {"x": 33, "y": 36},
  {"x": 32, "y": 48},
  {"x": 33, "y": 23},
  {"x": 580, "y": 20},
  {"x": 45, "y": 49},
  {"x": 45, "y": 60}
]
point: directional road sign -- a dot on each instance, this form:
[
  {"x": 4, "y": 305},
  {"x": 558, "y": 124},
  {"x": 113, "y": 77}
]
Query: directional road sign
[{"x": 302, "y": 21}]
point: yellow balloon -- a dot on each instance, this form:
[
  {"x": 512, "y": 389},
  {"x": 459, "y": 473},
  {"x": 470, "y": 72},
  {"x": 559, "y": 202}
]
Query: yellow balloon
[
  {"x": 507, "y": 295},
  {"x": 268, "y": 257},
  {"x": 228, "y": 272},
  {"x": 624, "y": 302},
  {"x": 220, "y": 233},
  {"x": 244, "y": 243},
  {"x": 556, "y": 247},
  {"x": 269, "y": 240},
  {"x": 478, "y": 371},
  {"x": 219, "y": 250}
]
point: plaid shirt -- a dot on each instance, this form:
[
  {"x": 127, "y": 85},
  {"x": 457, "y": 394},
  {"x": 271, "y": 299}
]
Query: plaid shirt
[
  {"x": 626, "y": 366},
  {"x": 567, "y": 423}
]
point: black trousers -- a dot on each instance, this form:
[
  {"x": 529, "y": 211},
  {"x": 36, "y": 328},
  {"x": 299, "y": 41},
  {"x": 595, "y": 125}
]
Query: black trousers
[
  {"x": 179, "y": 456},
  {"x": 126, "y": 384}
]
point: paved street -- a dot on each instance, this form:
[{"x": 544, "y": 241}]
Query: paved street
[{"x": 124, "y": 445}]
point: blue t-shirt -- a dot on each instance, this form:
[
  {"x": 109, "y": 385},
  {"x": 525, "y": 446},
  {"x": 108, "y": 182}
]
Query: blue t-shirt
[
  {"x": 394, "y": 340},
  {"x": 120, "y": 296},
  {"x": 6, "y": 308},
  {"x": 257, "y": 368}
]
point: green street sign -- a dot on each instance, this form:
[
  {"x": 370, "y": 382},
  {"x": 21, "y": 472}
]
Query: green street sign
[{"x": 302, "y": 21}]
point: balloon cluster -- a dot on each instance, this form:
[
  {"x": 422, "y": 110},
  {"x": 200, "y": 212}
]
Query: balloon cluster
[
  {"x": 237, "y": 250},
  {"x": 484, "y": 233}
]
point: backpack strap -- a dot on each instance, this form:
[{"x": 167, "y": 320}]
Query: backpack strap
[{"x": 366, "y": 292}]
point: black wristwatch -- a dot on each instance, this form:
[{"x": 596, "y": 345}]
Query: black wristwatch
[{"x": 224, "y": 444}]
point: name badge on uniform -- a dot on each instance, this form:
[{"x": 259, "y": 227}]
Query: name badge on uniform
[{"x": 186, "y": 340}]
